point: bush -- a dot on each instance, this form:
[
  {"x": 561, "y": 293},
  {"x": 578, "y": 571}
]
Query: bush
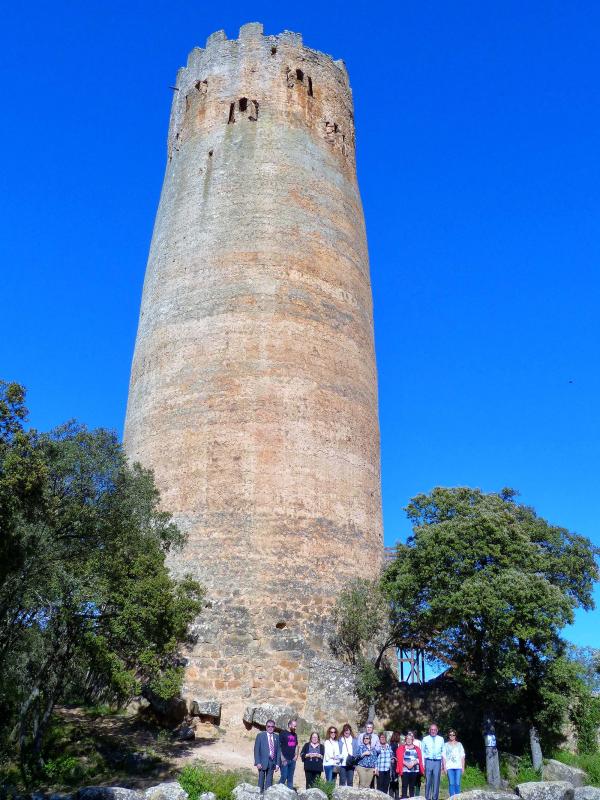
[
  {"x": 64, "y": 770},
  {"x": 325, "y": 786},
  {"x": 196, "y": 779},
  {"x": 590, "y": 762},
  {"x": 473, "y": 778}
]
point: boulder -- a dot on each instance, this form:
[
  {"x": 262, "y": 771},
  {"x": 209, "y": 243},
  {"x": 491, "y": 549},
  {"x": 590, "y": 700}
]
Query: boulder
[
  {"x": 557, "y": 771},
  {"x": 279, "y": 792},
  {"x": 171, "y": 712},
  {"x": 108, "y": 793},
  {"x": 166, "y": 791},
  {"x": 587, "y": 793},
  {"x": 258, "y": 715},
  {"x": 486, "y": 794},
  {"x": 354, "y": 793},
  {"x": 185, "y": 733},
  {"x": 545, "y": 790},
  {"x": 205, "y": 708},
  {"x": 245, "y": 791},
  {"x": 312, "y": 794}
]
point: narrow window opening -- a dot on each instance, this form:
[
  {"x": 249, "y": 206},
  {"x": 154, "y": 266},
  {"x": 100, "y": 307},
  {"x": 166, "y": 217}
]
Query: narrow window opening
[
  {"x": 202, "y": 86},
  {"x": 310, "y": 89},
  {"x": 281, "y": 625},
  {"x": 273, "y": 51},
  {"x": 210, "y": 153},
  {"x": 243, "y": 104},
  {"x": 299, "y": 75},
  {"x": 231, "y": 113}
]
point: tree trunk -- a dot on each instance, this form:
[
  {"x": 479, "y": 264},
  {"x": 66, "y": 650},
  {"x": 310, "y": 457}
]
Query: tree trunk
[
  {"x": 536, "y": 748},
  {"x": 371, "y": 711},
  {"x": 492, "y": 761}
]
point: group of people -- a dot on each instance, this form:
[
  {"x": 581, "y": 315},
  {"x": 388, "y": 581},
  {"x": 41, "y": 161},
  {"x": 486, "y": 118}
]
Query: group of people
[{"x": 395, "y": 766}]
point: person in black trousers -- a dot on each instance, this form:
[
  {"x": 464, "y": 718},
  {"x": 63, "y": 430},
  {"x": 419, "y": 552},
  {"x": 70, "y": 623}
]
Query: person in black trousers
[{"x": 312, "y": 754}]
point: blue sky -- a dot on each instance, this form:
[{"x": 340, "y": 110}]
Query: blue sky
[{"x": 478, "y": 130}]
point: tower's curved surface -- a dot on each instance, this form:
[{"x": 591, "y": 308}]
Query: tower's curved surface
[{"x": 253, "y": 389}]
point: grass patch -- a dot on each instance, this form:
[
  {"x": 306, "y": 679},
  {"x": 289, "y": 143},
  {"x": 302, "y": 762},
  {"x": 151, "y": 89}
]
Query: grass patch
[
  {"x": 472, "y": 778},
  {"x": 590, "y": 762},
  {"x": 197, "y": 779}
]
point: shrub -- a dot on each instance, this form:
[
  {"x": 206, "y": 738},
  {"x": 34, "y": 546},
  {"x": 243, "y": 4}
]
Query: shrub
[
  {"x": 64, "y": 769},
  {"x": 473, "y": 778},
  {"x": 325, "y": 786},
  {"x": 196, "y": 779}
]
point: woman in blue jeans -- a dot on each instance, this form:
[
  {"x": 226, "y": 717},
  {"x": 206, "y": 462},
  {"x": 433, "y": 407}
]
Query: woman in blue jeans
[{"x": 453, "y": 762}]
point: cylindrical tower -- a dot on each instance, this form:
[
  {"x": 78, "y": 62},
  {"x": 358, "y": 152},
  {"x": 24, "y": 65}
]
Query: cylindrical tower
[{"x": 253, "y": 391}]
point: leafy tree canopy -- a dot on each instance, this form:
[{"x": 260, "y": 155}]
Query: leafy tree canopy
[
  {"x": 88, "y": 608},
  {"x": 487, "y": 585}
]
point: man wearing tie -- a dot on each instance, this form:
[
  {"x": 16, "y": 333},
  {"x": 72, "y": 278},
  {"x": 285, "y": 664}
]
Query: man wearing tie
[
  {"x": 267, "y": 755},
  {"x": 432, "y": 747}
]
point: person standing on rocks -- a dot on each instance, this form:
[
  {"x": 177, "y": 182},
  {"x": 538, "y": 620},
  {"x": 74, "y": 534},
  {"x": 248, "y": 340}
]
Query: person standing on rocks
[
  {"x": 348, "y": 747},
  {"x": 267, "y": 755},
  {"x": 288, "y": 741},
  {"x": 453, "y": 762},
  {"x": 312, "y": 755},
  {"x": 433, "y": 750}
]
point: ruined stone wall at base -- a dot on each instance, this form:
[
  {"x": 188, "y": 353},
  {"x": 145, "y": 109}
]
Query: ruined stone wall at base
[{"x": 253, "y": 392}]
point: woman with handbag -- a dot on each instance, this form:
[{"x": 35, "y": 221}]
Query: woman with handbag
[
  {"x": 331, "y": 762},
  {"x": 348, "y": 746}
]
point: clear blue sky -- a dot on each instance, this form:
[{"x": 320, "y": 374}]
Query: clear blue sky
[{"x": 478, "y": 129}]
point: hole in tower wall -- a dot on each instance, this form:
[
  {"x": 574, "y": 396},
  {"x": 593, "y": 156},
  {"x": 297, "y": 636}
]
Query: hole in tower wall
[
  {"x": 273, "y": 51},
  {"x": 281, "y": 625},
  {"x": 243, "y": 104},
  {"x": 231, "y": 113},
  {"x": 210, "y": 153},
  {"x": 202, "y": 86},
  {"x": 310, "y": 89},
  {"x": 299, "y": 75}
]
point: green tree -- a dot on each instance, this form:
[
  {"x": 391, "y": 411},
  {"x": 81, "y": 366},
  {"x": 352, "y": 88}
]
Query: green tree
[
  {"x": 487, "y": 586},
  {"x": 362, "y": 635},
  {"x": 87, "y": 605}
]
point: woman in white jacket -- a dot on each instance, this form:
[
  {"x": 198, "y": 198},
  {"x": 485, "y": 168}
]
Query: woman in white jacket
[{"x": 332, "y": 753}]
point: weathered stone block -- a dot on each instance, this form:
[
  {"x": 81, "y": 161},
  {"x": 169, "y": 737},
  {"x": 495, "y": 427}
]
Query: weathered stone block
[
  {"x": 204, "y": 708},
  {"x": 557, "y": 771},
  {"x": 546, "y": 790},
  {"x": 108, "y": 793},
  {"x": 587, "y": 793},
  {"x": 166, "y": 791},
  {"x": 354, "y": 793}
]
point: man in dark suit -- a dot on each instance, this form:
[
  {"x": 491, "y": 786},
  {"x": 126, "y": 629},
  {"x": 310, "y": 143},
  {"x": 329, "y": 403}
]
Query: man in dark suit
[{"x": 267, "y": 755}]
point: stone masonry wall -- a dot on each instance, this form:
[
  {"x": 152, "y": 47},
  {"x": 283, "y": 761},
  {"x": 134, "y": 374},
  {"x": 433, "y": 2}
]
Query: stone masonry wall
[{"x": 253, "y": 390}]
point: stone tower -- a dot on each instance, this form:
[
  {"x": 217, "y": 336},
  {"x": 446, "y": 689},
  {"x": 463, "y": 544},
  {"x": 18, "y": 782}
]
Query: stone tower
[{"x": 253, "y": 389}]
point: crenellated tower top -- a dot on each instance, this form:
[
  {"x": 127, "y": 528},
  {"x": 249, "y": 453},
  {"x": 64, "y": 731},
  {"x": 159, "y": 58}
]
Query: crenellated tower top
[{"x": 256, "y": 78}]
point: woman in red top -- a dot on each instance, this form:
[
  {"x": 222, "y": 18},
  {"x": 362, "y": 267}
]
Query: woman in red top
[{"x": 409, "y": 764}]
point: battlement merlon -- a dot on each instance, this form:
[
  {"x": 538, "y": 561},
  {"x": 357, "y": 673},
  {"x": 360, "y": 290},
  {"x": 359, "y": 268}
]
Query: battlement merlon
[{"x": 251, "y": 35}]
